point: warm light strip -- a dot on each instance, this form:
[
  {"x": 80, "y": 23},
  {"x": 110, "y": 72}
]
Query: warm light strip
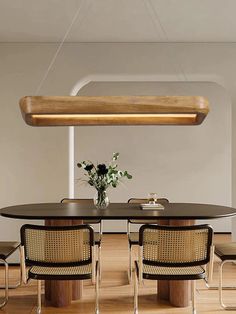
[
  {"x": 114, "y": 116},
  {"x": 112, "y": 119}
]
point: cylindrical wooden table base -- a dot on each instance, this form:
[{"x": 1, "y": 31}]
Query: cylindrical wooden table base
[
  {"x": 177, "y": 292},
  {"x": 60, "y": 293}
]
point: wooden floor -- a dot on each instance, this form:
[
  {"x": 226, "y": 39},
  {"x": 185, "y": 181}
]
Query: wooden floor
[{"x": 116, "y": 295}]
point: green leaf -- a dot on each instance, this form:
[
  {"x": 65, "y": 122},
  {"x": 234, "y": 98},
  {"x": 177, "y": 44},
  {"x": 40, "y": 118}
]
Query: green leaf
[{"x": 111, "y": 178}]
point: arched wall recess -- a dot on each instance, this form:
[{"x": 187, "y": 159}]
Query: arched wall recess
[
  {"x": 122, "y": 78},
  {"x": 221, "y": 106},
  {"x": 115, "y": 78}
]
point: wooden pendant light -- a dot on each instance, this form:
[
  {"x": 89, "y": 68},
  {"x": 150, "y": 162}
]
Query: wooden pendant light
[{"x": 113, "y": 110}]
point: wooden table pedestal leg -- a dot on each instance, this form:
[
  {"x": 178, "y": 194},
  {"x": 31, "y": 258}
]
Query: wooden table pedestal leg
[
  {"x": 180, "y": 295},
  {"x": 176, "y": 291},
  {"x": 163, "y": 290},
  {"x": 60, "y": 293}
]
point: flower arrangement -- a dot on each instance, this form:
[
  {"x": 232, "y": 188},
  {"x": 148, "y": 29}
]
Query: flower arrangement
[{"x": 102, "y": 176}]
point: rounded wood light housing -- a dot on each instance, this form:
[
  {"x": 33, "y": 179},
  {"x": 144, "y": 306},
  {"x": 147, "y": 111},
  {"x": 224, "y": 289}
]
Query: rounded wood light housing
[{"x": 113, "y": 110}]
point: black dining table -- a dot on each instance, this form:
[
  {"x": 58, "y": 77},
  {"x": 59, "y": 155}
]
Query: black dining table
[
  {"x": 177, "y": 214},
  {"x": 117, "y": 211}
]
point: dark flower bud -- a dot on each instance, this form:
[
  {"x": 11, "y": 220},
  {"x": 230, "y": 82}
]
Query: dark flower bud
[
  {"x": 89, "y": 167},
  {"x": 102, "y": 169}
]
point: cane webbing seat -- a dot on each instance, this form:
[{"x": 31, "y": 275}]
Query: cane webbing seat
[
  {"x": 172, "y": 253},
  {"x": 58, "y": 253},
  {"x": 133, "y": 237},
  {"x": 76, "y": 272},
  {"x": 7, "y": 248},
  {"x": 150, "y": 272},
  {"x": 226, "y": 252}
]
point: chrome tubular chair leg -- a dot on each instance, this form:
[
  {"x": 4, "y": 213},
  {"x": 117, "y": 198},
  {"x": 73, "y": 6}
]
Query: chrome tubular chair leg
[
  {"x": 224, "y": 306},
  {"x": 93, "y": 279},
  {"x": 135, "y": 293},
  {"x": 18, "y": 284},
  {"x": 193, "y": 288},
  {"x": 130, "y": 253},
  {"x": 209, "y": 272},
  {"x": 97, "y": 289},
  {"x": 99, "y": 261},
  {"x": 216, "y": 287},
  {"x": 39, "y": 307},
  {"x": 6, "y": 283},
  {"x": 130, "y": 263}
]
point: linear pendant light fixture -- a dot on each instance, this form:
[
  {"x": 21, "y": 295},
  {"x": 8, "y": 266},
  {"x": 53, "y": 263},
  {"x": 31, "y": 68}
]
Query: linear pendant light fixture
[{"x": 113, "y": 110}]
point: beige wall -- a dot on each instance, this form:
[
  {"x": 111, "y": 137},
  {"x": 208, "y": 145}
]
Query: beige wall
[
  {"x": 34, "y": 161},
  {"x": 184, "y": 164}
]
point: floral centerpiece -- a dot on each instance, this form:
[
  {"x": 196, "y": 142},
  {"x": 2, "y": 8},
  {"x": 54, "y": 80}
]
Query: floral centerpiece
[{"x": 102, "y": 176}]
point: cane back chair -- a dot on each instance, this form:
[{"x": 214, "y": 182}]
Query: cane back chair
[
  {"x": 97, "y": 235},
  {"x": 58, "y": 253},
  {"x": 172, "y": 253},
  {"x": 133, "y": 237},
  {"x": 6, "y": 250}
]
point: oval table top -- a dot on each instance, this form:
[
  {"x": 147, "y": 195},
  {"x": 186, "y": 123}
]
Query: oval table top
[{"x": 116, "y": 211}]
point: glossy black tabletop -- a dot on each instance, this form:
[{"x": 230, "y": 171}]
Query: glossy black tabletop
[{"x": 117, "y": 211}]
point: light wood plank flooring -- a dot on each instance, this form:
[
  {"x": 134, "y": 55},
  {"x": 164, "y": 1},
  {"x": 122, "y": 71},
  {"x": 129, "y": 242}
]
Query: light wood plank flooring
[{"x": 116, "y": 296}]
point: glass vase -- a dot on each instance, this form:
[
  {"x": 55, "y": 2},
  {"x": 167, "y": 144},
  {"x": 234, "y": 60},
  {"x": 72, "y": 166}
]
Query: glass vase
[{"x": 101, "y": 199}]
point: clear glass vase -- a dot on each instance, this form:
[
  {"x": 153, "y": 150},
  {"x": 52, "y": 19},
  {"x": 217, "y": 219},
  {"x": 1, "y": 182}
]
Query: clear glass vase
[{"x": 101, "y": 199}]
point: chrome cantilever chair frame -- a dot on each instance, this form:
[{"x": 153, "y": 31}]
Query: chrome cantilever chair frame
[
  {"x": 159, "y": 261},
  {"x": 97, "y": 235},
  {"x": 226, "y": 252},
  {"x": 13, "y": 246},
  {"x": 43, "y": 249},
  {"x": 221, "y": 288},
  {"x": 133, "y": 237}
]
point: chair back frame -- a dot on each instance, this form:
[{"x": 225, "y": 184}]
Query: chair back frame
[
  {"x": 134, "y": 200},
  {"x": 193, "y": 228},
  {"x": 30, "y": 262},
  {"x": 84, "y": 201}
]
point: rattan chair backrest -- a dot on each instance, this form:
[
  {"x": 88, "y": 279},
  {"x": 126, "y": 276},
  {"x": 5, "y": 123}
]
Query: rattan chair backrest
[
  {"x": 82, "y": 201},
  {"x": 175, "y": 246},
  {"x": 57, "y": 246},
  {"x": 161, "y": 200}
]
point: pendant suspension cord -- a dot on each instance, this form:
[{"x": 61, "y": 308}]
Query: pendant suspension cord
[
  {"x": 160, "y": 28},
  {"x": 58, "y": 49}
]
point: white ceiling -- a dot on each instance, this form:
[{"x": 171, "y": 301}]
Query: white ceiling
[{"x": 118, "y": 20}]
